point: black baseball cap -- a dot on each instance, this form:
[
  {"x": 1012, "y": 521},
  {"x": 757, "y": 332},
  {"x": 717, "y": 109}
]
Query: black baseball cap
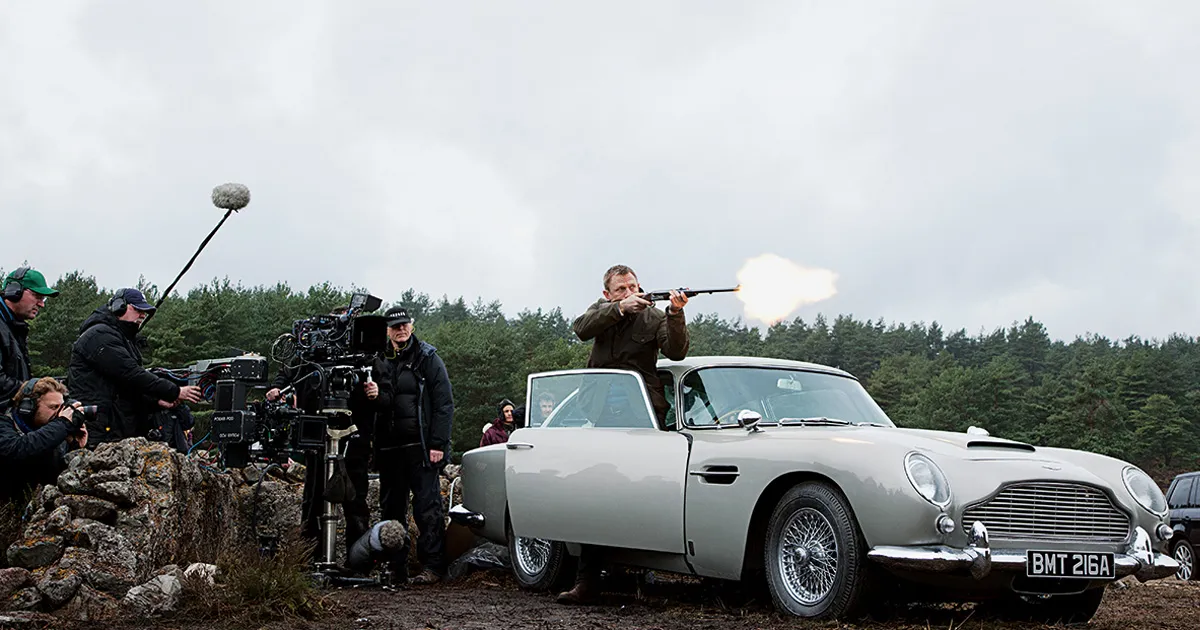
[
  {"x": 397, "y": 315},
  {"x": 135, "y": 299}
]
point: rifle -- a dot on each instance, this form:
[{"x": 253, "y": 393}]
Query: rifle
[{"x": 658, "y": 296}]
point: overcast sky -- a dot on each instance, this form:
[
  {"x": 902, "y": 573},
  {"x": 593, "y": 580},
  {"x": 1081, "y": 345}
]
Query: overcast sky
[{"x": 973, "y": 165}]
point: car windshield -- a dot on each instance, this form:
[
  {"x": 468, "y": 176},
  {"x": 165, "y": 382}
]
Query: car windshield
[{"x": 714, "y": 397}]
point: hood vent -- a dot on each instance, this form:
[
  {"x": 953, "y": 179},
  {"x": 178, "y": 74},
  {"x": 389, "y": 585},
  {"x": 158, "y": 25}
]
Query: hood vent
[{"x": 1015, "y": 446}]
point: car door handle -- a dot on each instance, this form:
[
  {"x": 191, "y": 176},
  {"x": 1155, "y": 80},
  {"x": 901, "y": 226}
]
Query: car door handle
[{"x": 513, "y": 446}]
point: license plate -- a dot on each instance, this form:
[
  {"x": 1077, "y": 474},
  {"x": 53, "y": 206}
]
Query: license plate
[{"x": 1070, "y": 564}]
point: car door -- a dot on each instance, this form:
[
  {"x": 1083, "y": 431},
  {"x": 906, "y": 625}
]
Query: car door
[
  {"x": 1191, "y": 518},
  {"x": 597, "y": 470},
  {"x": 1179, "y": 501}
]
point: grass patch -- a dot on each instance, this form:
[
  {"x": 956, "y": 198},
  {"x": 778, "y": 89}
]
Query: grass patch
[
  {"x": 10, "y": 526},
  {"x": 256, "y": 587}
]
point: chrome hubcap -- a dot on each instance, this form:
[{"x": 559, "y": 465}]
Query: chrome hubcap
[
  {"x": 1183, "y": 555},
  {"x": 808, "y": 556},
  {"x": 532, "y": 554}
]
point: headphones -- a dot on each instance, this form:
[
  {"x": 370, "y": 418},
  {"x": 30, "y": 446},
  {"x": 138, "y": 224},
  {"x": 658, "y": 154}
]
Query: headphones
[
  {"x": 28, "y": 404},
  {"x": 117, "y": 304},
  {"x": 14, "y": 289}
]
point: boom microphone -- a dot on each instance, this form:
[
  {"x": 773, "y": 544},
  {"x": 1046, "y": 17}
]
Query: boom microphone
[
  {"x": 231, "y": 196},
  {"x": 228, "y": 197}
]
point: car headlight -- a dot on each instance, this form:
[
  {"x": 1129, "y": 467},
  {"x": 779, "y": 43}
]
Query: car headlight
[
  {"x": 928, "y": 479},
  {"x": 1144, "y": 490}
]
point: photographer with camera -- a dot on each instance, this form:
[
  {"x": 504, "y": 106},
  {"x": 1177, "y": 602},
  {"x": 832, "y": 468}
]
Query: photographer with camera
[
  {"x": 412, "y": 440},
  {"x": 35, "y": 435},
  {"x": 106, "y": 370}
]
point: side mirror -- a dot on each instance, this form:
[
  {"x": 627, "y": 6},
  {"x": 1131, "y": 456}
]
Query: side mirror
[
  {"x": 974, "y": 430},
  {"x": 749, "y": 420}
]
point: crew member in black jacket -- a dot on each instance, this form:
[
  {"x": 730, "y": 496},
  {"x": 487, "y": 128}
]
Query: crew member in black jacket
[
  {"x": 35, "y": 436},
  {"x": 24, "y": 294},
  {"x": 412, "y": 440},
  {"x": 106, "y": 370}
]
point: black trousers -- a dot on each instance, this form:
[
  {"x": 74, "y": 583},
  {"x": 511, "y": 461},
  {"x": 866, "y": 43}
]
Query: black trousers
[
  {"x": 357, "y": 512},
  {"x": 591, "y": 563},
  {"x": 402, "y": 470}
]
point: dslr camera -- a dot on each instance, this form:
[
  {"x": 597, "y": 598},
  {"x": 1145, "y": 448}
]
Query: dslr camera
[{"x": 80, "y": 415}]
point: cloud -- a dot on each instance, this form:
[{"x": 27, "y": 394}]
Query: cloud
[{"x": 971, "y": 164}]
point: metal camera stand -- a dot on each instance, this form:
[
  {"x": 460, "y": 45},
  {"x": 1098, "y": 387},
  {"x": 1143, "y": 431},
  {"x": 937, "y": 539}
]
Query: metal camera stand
[{"x": 326, "y": 570}]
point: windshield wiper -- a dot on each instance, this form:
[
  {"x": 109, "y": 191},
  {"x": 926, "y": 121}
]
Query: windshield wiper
[{"x": 815, "y": 421}]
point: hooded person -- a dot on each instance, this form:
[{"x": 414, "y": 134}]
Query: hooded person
[
  {"x": 500, "y": 428},
  {"x": 106, "y": 371}
]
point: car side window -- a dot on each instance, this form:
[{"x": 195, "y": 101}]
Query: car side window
[
  {"x": 1181, "y": 494},
  {"x": 593, "y": 400},
  {"x": 668, "y": 382}
]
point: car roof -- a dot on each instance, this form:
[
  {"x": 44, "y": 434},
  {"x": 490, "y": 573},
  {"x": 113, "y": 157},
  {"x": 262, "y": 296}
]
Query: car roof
[{"x": 715, "y": 361}]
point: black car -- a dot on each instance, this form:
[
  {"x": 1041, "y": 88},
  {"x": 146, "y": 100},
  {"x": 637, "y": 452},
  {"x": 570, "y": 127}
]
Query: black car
[{"x": 1184, "y": 499}]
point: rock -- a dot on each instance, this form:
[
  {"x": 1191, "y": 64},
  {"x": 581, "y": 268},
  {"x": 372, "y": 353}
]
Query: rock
[
  {"x": 38, "y": 551},
  {"x": 159, "y": 595},
  {"x": 102, "y": 572},
  {"x": 270, "y": 506},
  {"x": 116, "y": 475},
  {"x": 20, "y": 620},
  {"x": 295, "y": 472},
  {"x": 59, "y": 586},
  {"x": 48, "y": 497},
  {"x": 12, "y": 580},
  {"x": 201, "y": 571},
  {"x": 83, "y": 506},
  {"x": 25, "y": 599},
  {"x": 251, "y": 474},
  {"x": 172, "y": 570},
  {"x": 58, "y": 520},
  {"x": 120, "y": 492},
  {"x": 89, "y": 605}
]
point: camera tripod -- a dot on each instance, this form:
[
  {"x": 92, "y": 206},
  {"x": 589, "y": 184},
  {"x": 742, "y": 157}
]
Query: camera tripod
[{"x": 326, "y": 569}]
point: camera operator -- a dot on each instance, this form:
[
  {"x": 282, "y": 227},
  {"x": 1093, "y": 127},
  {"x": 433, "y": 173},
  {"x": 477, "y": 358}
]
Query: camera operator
[
  {"x": 25, "y": 293},
  {"x": 106, "y": 370},
  {"x": 356, "y": 452},
  {"x": 412, "y": 440},
  {"x": 35, "y": 436}
]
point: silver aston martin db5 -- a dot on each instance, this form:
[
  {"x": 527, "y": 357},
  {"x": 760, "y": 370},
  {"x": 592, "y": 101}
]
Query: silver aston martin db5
[{"x": 790, "y": 474}]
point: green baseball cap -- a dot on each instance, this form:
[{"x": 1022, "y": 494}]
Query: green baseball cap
[{"x": 33, "y": 280}]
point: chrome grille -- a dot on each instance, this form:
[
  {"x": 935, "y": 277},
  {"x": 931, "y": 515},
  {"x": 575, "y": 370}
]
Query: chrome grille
[{"x": 1050, "y": 512}]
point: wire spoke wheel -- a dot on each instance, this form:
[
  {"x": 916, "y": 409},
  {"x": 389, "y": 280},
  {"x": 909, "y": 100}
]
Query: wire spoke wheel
[
  {"x": 533, "y": 554},
  {"x": 808, "y": 556}
]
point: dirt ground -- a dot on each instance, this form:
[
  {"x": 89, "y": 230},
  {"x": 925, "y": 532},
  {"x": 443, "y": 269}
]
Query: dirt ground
[{"x": 492, "y": 600}]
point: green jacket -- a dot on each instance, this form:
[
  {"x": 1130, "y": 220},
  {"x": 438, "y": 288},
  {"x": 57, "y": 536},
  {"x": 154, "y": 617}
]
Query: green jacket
[{"x": 632, "y": 342}]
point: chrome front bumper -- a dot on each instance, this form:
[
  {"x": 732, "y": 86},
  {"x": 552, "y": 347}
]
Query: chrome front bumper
[{"x": 979, "y": 559}]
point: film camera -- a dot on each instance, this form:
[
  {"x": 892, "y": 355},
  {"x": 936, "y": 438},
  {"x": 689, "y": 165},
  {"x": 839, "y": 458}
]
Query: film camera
[{"x": 328, "y": 356}]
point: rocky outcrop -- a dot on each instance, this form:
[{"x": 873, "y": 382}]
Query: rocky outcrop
[{"x": 121, "y": 513}]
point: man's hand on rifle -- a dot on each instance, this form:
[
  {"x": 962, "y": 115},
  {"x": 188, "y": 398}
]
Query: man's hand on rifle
[
  {"x": 679, "y": 299},
  {"x": 633, "y": 304},
  {"x": 273, "y": 394}
]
